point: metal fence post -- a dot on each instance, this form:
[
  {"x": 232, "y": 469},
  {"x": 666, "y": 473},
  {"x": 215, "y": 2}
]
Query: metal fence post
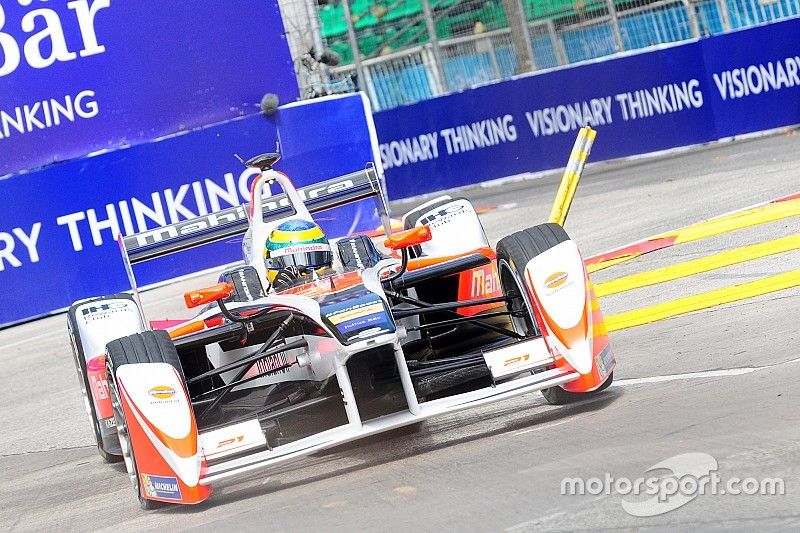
[
  {"x": 612, "y": 13},
  {"x": 435, "y": 83},
  {"x": 351, "y": 38},
  {"x": 435, "y": 49},
  {"x": 691, "y": 14},
  {"x": 316, "y": 35},
  {"x": 724, "y": 15},
  {"x": 520, "y": 35},
  {"x": 556, "y": 43}
]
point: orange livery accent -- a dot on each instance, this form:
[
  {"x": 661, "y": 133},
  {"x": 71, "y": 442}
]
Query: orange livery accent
[
  {"x": 404, "y": 239},
  {"x": 208, "y": 294},
  {"x": 478, "y": 283}
]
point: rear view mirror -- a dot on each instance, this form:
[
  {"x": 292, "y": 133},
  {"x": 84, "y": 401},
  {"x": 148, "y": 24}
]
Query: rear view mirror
[
  {"x": 207, "y": 295},
  {"x": 411, "y": 237}
]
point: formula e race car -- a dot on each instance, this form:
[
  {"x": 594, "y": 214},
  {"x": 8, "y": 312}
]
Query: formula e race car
[{"x": 270, "y": 370}]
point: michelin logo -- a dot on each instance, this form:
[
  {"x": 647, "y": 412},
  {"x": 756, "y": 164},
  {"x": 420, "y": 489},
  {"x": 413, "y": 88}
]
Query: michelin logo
[{"x": 164, "y": 487}]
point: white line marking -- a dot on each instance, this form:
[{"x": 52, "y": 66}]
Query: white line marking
[
  {"x": 52, "y": 333},
  {"x": 700, "y": 375},
  {"x": 531, "y": 524},
  {"x": 543, "y": 426}
]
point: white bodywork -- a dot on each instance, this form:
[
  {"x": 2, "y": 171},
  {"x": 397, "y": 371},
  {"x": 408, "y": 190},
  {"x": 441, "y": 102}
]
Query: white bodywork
[
  {"x": 102, "y": 321},
  {"x": 156, "y": 396},
  {"x": 558, "y": 279},
  {"x": 455, "y": 227}
]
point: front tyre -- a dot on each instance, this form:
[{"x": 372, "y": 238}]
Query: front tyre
[
  {"x": 513, "y": 254},
  {"x": 559, "y": 396},
  {"x": 146, "y": 347}
]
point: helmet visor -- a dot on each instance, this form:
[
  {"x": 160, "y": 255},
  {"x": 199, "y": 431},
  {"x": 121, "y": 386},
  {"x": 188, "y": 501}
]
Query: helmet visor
[{"x": 310, "y": 259}]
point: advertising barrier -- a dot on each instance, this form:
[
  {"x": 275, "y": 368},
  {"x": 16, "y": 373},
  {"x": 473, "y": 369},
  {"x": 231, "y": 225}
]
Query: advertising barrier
[
  {"x": 753, "y": 78},
  {"x": 672, "y": 96},
  {"x": 58, "y": 225},
  {"x": 85, "y": 75}
]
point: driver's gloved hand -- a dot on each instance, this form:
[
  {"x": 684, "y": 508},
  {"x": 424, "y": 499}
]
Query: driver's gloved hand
[{"x": 285, "y": 278}]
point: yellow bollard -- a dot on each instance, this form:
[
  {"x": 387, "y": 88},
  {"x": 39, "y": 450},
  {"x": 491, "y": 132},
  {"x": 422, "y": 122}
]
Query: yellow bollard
[{"x": 572, "y": 175}]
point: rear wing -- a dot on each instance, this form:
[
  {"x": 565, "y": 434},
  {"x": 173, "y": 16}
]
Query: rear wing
[{"x": 234, "y": 221}]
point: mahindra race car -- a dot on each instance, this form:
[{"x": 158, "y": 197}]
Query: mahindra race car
[{"x": 266, "y": 373}]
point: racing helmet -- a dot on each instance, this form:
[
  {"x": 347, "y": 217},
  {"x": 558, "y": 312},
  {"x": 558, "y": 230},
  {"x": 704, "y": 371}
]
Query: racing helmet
[{"x": 297, "y": 243}]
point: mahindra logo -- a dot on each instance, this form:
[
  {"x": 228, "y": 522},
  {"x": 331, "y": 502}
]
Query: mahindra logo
[
  {"x": 483, "y": 283},
  {"x": 229, "y": 217}
]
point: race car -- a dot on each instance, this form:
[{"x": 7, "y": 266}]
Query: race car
[{"x": 310, "y": 344}]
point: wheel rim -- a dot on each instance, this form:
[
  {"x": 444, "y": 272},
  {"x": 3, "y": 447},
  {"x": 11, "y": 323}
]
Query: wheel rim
[
  {"x": 519, "y": 306},
  {"x": 122, "y": 433}
]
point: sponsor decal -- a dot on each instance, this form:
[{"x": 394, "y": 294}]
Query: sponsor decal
[
  {"x": 366, "y": 333},
  {"x": 516, "y": 360},
  {"x": 96, "y": 373},
  {"x": 164, "y": 487},
  {"x": 361, "y": 323},
  {"x": 273, "y": 363},
  {"x": 356, "y": 313},
  {"x": 99, "y": 386},
  {"x": 485, "y": 282},
  {"x": 300, "y": 248},
  {"x": 245, "y": 285},
  {"x": 232, "y": 439},
  {"x": 162, "y": 392},
  {"x": 443, "y": 215},
  {"x": 517, "y": 357},
  {"x": 605, "y": 361},
  {"x": 356, "y": 255},
  {"x": 110, "y": 423},
  {"x": 233, "y": 216},
  {"x": 556, "y": 280},
  {"x": 101, "y": 311}
]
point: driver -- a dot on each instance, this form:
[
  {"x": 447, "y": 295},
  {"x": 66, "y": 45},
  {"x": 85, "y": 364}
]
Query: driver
[{"x": 296, "y": 250}]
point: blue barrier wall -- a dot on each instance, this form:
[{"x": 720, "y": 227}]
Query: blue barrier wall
[
  {"x": 58, "y": 225},
  {"x": 88, "y": 75},
  {"x": 679, "y": 95}
]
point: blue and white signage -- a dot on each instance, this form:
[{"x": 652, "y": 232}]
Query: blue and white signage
[
  {"x": 58, "y": 225},
  {"x": 754, "y": 78},
  {"x": 673, "y": 96},
  {"x": 80, "y": 76}
]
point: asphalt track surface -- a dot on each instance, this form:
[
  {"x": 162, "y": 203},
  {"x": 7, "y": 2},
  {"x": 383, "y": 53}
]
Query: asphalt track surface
[{"x": 721, "y": 381}]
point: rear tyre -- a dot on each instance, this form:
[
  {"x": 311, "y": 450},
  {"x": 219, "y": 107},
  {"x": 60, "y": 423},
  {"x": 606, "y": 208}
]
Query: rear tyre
[
  {"x": 83, "y": 380},
  {"x": 146, "y": 347},
  {"x": 513, "y": 254}
]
